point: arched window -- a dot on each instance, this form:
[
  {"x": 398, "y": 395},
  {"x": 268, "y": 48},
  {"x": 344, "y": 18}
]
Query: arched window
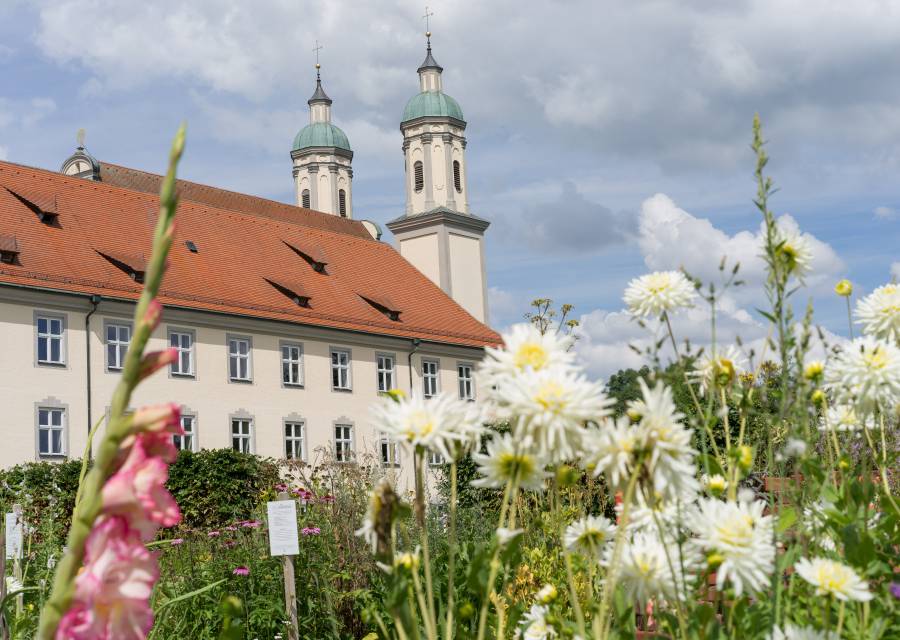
[
  {"x": 419, "y": 177},
  {"x": 304, "y": 198},
  {"x": 457, "y": 181},
  {"x": 342, "y": 203}
]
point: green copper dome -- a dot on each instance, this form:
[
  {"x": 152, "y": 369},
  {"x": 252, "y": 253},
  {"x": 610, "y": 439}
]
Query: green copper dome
[
  {"x": 321, "y": 134},
  {"x": 432, "y": 104}
]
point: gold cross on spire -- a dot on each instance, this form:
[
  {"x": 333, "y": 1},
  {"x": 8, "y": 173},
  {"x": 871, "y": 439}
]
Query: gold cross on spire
[
  {"x": 426, "y": 17},
  {"x": 316, "y": 50}
]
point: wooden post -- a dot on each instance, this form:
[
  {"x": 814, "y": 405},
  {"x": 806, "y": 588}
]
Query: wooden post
[{"x": 290, "y": 587}]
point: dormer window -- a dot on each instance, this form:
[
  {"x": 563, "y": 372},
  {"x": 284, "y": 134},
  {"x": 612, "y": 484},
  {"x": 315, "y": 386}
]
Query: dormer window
[
  {"x": 383, "y": 304},
  {"x": 43, "y": 206},
  {"x": 293, "y": 290},
  {"x": 418, "y": 174},
  {"x": 311, "y": 253},
  {"x": 9, "y": 249},
  {"x": 133, "y": 265}
]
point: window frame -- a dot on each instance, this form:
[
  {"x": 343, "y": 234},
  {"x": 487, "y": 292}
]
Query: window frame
[
  {"x": 63, "y": 344},
  {"x": 457, "y": 176},
  {"x": 305, "y": 198},
  {"x": 393, "y": 447},
  {"x": 295, "y": 421},
  {"x": 471, "y": 381},
  {"x": 378, "y": 371},
  {"x": 301, "y": 363},
  {"x": 192, "y": 352},
  {"x": 119, "y": 324},
  {"x": 250, "y": 436},
  {"x": 349, "y": 368},
  {"x": 249, "y": 340},
  {"x": 192, "y": 434},
  {"x": 51, "y": 404},
  {"x": 342, "y": 202},
  {"x": 434, "y": 459},
  {"x": 437, "y": 377},
  {"x": 350, "y": 447}
]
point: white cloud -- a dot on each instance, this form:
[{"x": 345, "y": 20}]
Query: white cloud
[
  {"x": 672, "y": 238},
  {"x": 885, "y": 213},
  {"x": 505, "y": 308}
]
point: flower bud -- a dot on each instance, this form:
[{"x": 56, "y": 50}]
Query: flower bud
[
  {"x": 566, "y": 476},
  {"x": 818, "y": 397},
  {"x": 466, "y": 611},
  {"x": 547, "y": 594},
  {"x": 156, "y": 360},
  {"x": 745, "y": 457},
  {"x": 396, "y": 395},
  {"x": 844, "y": 288},
  {"x": 814, "y": 371},
  {"x": 714, "y": 560},
  {"x": 153, "y": 314}
]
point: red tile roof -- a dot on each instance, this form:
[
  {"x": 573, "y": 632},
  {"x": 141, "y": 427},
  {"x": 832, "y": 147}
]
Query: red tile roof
[{"x": 241, "y": 240}]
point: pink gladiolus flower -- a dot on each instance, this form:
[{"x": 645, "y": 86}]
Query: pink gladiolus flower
[
  {"x": 241, "y": 571},
  {"x": 112, "y": 592},
  {"x": 156, "y": 360},
  {"x": 138, "y": 491}
]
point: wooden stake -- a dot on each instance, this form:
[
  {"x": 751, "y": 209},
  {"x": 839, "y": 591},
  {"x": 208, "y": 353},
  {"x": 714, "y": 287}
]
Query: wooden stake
[{"x": 290, "y": 587}]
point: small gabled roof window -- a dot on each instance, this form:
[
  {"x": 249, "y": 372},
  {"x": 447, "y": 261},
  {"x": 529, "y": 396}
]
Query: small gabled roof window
[
  {"x": 9, "y": 249},
  {"x": 383, "y": 304},
  {"x": 313, "y": 254},
  {"x": 293, "y": 290},
  {"x": 133, "y": 265},
  {"x": 44, "y": 206}
]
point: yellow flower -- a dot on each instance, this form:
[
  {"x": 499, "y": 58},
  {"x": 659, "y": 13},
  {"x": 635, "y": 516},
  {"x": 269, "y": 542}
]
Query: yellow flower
[
  {"x": 818, "y": 396},
  {"x": 844, "y": 288},
  {"x": 814, "y": 371}
]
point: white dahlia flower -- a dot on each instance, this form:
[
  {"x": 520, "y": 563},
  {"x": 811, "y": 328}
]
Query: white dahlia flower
[
  {"x": 643, "y": 569},
  {"x": 589, "y": 535},
  {"x": 719, "y": 368},
  {"x": 793, "y": 249},
  {"x": 879, "y": 313},
  {"x": 737, "y": 538},
  {"x": 666, "y": 441},
  {"x": 866, "y": 373},
  {"x": 800, "y": 633},
  {"x": 611, "y": 449},
  {"x": 551, "y": 406},
  {"x": 442, "y": 424},
  {"x": 524, "y": 349},
  {"x": 842, "y": 417},
  {"x": 534, "y": 624},
  {"x": 508, "y": 459},
  {"x": 834, "y": 579},
  {"x": 666, "y": 512},
  {"x": 657, "y": 293}
]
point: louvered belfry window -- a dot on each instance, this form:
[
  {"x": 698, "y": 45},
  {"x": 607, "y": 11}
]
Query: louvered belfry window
[
  {"x": 457, "y": 181},
  {"x": 304, "y": 198},
  {"x": 419, "y": 176},
  {"x": 342, "y": 203}
]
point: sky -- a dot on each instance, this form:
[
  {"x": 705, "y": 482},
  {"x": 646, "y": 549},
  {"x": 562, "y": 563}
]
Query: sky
[{"x": 605, "y": 138}]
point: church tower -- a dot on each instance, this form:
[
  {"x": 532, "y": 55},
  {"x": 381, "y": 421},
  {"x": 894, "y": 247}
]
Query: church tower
[
  {"x": 322, "y": 156},
  {"x": 437, "y": 233}
]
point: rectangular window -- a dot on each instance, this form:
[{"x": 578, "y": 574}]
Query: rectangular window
[
  {"x": 118, "y": 337},
  {"x": 293, "y": 440},
  {"x": 50, "y": 340},
  {"x": 435, "y": 458},
  {"x": 343, "y": 442},
  {"x": 51, "y": 431},
  {"x": 183, "y": 343},
  {"x": 186, "y": 442},
  {"x": 430, "y": 369},
  {"x": 389, "y": 452},
  {"x": 384, "y": 366},
  {"x": 241, "y": 434},
  {"x": 239, "y": 359},
  {"x": 466, "y": 382},
  {"x": 340, "y": 369},
  {"x": 292, "y": 365}
]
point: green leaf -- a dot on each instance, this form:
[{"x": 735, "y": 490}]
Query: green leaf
[
  {"x": 191, "y": 594},
  {"x": 786, "y": 519}
]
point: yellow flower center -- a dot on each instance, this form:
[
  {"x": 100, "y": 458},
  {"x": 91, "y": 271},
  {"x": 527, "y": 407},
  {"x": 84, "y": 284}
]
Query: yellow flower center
[
  {"x": 876, "y": 358},
  {"x": 419, "y": 425},
  {"x": 644, "y": 567},
  {"x": 657, "y": 283},
  {"x": 790, "y": 253},
  {"x": 533, "y": 355},
  {"x": 551, "y": 396},
  {"x": 737, "y": 532},
  {"x": 831, "y": 580},
  {"x": 511, "y": 463}
]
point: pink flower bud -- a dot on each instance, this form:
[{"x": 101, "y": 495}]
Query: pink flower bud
[
  {"x": 156, "y": 360},
  {"x": 159, "y": 418},
  {"x": 153, "y": 314}
]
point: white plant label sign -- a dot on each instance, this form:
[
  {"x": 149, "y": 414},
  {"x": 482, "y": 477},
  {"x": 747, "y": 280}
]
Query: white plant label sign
[
  {"x": 284, "y": 539},
  {"x": 13, "y": 536}
]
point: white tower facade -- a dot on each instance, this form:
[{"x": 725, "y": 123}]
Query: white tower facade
[
  {"x": 322, "y": 157},
  {"x": 437, "y": 233}
]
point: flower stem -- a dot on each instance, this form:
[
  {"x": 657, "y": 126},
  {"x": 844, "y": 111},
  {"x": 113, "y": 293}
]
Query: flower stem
[{"x": 451, "y": 561}]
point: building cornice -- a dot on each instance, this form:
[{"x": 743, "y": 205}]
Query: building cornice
[
  {"x": 438, "y": 216},
  {"x": 337, "y": 151}
]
